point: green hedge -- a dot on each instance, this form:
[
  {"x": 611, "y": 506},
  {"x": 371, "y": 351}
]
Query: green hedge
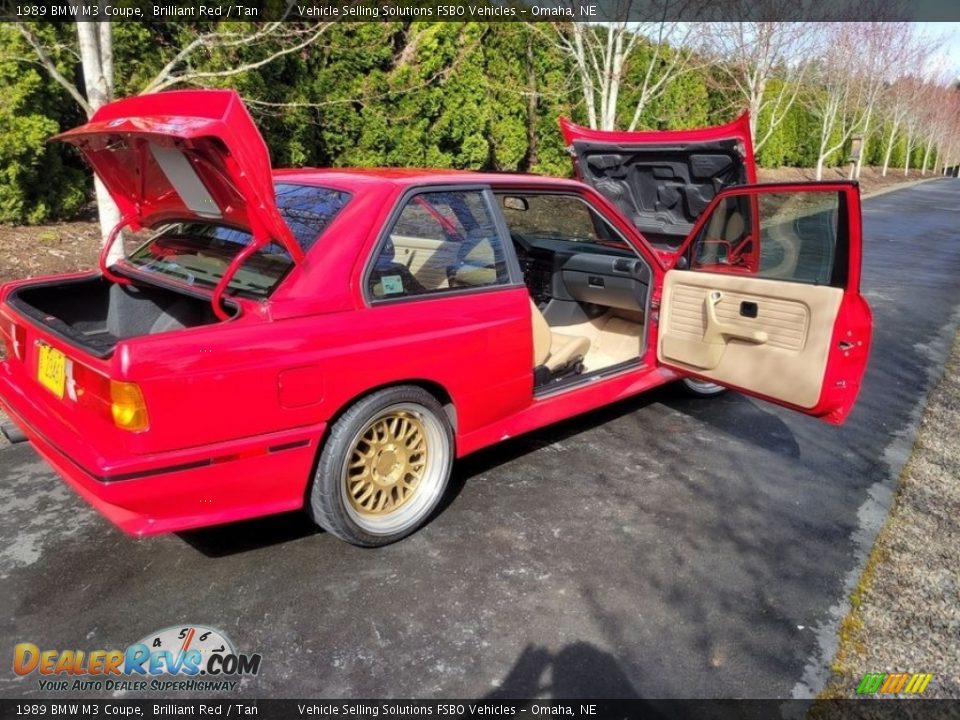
[
  {"x": 450, "y": 95},
  {"x": 39, "y": 181}
]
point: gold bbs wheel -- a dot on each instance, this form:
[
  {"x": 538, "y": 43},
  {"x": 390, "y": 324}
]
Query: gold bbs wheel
[
  {"x": 387, "y": 463},
  {"x": 383, "y": 467}
]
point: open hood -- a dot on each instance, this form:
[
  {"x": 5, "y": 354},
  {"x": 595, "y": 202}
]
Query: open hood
[
  {"x": 662, "y": 181},
  {"x": 185, "y": 155}
]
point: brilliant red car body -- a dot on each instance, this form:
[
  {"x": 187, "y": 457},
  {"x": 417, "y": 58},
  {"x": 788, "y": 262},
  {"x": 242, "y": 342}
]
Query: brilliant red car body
[{"x": 225, "y": 419}]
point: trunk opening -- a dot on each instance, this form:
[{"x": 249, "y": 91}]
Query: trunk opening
[{"x": 95, "y": 313}]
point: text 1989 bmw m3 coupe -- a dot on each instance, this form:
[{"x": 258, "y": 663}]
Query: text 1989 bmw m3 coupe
[{"x": 334, "y": 339}]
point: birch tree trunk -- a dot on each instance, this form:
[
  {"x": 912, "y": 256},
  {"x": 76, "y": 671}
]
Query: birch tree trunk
[
  {"x": 889, "y": 151},
  {"x": 906, "y": 163},
  {"x": 533, "y": 101},
  {"x": 586, "y": 78},
  {"x": 926, "y": 157},
  {"x": 828, "y": 122},
  {"x": 755, "y": 99},
  {"x": 95, "y": 41},
  {"x": 867, "y": 120}
]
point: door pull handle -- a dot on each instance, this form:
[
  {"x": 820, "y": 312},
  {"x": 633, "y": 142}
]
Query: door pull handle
[{"x": 718, "y": 331}]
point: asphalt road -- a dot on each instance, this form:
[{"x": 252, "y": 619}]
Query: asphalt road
[{"x": 664, "y": 547}]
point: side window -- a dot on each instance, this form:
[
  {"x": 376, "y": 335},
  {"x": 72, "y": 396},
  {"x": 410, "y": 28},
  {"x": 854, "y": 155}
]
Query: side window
[
  {"x": 441, "y": 241},
  {"x": 558, "y": 217},
  {"x": 777, "y": 235}
]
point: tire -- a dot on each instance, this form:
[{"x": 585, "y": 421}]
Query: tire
[
  {"x": 701, "y": 388},
  {"x": 384, "y": 467}
]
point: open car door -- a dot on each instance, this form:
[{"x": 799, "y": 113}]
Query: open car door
[
  {"x": 661, "y": 181},
  {"x": 764, "y": 297}
]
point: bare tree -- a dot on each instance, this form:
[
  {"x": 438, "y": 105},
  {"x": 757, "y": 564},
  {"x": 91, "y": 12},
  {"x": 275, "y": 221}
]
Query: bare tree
[
  {"x": 882, "y": 46},
  {"x": 946, "y": 129},
  {"x": 267, "y": 43},
  {"x": 904, "y": 86},
  {"x": 898, "y": 102},
  {"x": 918, "y": 120},
  {"x": 602, "y": 53},
  {"x": 949, "y": 150},
  {"x": 933, "y": 113},
  {"x": 752, "y": 54},
  {"x": 838, "y": 98},
  {"x": 929, "y": 119}
]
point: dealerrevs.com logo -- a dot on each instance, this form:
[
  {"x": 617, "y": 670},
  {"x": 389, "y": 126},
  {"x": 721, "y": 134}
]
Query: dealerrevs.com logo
[{"x": 187, "y": 658}]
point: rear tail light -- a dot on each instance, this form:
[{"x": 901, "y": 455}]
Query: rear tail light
[
  {"x": 117, "y": 401},
  {"x": 127, "y": 406},
  {"x": 14, "y": 338}
]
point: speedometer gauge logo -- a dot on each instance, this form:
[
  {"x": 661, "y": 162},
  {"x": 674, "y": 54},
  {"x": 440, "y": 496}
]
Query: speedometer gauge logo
[{"x": 181, "y": 639}]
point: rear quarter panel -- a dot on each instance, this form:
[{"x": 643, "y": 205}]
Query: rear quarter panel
[
  {"x": 249, "y": 378},
  {"x": 304, "y": 356}
]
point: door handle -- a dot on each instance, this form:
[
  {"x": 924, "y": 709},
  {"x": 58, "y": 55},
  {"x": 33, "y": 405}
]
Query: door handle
[{"x": 718, "y": 331}]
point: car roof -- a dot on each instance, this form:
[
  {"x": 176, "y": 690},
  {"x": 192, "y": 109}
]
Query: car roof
[{"x": 360, "y": 178}]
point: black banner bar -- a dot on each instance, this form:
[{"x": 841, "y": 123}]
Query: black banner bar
[{"x": 473, "y": 10}]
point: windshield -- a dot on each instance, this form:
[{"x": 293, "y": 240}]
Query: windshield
[{"x": 199, "y": 252}]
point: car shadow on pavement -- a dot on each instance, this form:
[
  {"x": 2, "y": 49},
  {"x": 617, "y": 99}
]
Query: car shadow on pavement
[
  {"x": 741, "y": 417},
  {"x": 247, "y": 535},
  {"x": 731, "y": 413},
  {"x": 578, "y": 670},
  {"x": 484, "y": 460},
  {"x": 240, "y": 537}
]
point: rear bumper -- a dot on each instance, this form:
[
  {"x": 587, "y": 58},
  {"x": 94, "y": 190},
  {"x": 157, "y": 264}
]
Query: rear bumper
[{"x": 167, "y": 492}]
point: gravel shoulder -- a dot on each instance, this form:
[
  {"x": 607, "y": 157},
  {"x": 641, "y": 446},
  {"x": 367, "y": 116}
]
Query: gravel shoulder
[{"x": 905, "y": 610}]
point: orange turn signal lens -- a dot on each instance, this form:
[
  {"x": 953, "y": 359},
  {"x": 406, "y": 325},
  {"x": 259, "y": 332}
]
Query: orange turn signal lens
[{"x": 128, "y": 407}]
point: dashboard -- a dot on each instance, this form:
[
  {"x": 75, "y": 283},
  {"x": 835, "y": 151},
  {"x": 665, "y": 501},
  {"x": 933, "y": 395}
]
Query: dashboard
[{"x": 561, "y": 269}]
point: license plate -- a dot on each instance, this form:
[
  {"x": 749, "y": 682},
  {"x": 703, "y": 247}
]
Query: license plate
[{"x": 52, "y": 369}]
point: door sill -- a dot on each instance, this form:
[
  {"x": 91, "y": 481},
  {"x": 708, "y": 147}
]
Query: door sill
[{"x": 576, "y": 381}]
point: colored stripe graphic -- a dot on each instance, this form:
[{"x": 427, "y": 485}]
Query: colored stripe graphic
[
  {"x": 918, "y": 683},
  {"x": 894, "y": 683},
  {"x": 870, "y": 684}
]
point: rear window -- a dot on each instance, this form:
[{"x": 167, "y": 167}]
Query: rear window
[
  {"x": 199, "y": 252},
  {"x": 308, "y": 209}
]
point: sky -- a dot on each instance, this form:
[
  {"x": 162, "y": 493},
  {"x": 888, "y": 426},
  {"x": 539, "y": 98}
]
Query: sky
[{"x": 949, "y": 34}]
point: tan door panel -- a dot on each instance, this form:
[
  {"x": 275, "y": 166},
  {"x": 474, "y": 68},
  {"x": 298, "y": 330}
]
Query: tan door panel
[
  {"x": 427, "y": 259},
  {"x": 781, "y": 353}
]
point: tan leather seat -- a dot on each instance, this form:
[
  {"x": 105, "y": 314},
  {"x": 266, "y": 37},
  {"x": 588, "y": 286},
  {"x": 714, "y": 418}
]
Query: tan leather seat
[
  {"x": 726, "y": 226},
  {"x": 552, "y": 349}
]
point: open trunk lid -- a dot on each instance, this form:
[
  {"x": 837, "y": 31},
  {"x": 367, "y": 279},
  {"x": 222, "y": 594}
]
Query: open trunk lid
[
  {"x": 662, "y": 181},
  {"x": 185, "y": 155}
]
